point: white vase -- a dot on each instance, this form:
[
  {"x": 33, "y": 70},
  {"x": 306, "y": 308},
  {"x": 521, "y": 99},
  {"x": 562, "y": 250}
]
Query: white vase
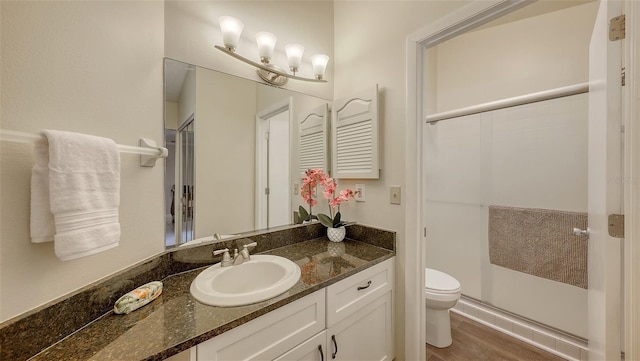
[{"x": 336, "y": 234}]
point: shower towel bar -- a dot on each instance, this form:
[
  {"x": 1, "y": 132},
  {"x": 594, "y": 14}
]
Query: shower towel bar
[
  {"x": 510, "y": 102},
  {"x": 148, "y": 150}
]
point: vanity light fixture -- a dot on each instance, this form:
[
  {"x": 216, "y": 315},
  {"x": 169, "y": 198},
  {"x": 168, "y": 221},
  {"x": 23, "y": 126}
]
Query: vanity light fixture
[{"x": 232, "y": 28}]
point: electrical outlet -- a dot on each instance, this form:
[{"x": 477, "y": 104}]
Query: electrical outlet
[
  {"x": 395, "y": 195},
  {"x": 296, "y": 189},
  {"x": 360, "y": 195}
]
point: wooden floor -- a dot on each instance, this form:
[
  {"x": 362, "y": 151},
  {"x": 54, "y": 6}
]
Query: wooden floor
[{"x": 473, "y": 341}]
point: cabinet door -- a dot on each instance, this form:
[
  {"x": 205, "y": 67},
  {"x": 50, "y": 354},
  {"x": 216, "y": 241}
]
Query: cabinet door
[
  {"x": 353, "y": 293},
  {"x": 313, "y": 349},
  {"x": 365, "y": 335},
  {"x": 270, "y": 335},
  {"x": 354, "y": 136}
]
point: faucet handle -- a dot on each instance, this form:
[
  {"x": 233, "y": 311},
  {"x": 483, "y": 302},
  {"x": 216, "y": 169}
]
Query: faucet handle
[
  {"x": 226, "y": 258},
  {"x": 252, "y": 244},
  {"x": 219, "y": 251}
]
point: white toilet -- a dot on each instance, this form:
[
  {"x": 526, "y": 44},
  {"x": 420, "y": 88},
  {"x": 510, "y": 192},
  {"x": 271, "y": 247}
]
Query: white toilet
[{"x": 441, "y": 292}]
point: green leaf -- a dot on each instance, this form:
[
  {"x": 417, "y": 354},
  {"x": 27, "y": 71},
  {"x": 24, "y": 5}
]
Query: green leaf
[
  {"x": 325, "y": 220},
  {"x": 304, "y": 215},
  {"x": 336, "y": 220}
]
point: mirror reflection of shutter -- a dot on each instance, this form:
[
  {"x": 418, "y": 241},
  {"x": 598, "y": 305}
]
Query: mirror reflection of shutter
[
  {"x": 354, "y": 135},
  {"x": 314, "y": 149}
]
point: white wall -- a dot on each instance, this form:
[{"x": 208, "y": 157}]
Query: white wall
[
  {"x": 370, "y": 48},
  {"x": 187, "y": 101},
  {"x": 192, "y": 30},
  {"x": 225, "y": 152},
  {"x": 90, "y": 67},
  {"x": 171, "y": 115}
]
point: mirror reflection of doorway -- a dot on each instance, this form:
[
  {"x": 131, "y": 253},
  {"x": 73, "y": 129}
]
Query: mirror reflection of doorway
[
  {"x": 184, "y": 205},
  {"x": 273, "y": 174},
  {"x": 170, "y": 187}
]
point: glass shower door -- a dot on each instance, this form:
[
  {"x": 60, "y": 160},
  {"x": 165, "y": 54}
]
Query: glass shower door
[{"x": 504, "y": 190}]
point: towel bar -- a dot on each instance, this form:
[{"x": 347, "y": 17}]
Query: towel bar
[{"x": 148, "y": 150}]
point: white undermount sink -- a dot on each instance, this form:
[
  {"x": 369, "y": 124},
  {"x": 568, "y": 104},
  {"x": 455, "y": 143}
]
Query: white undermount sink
[{"x": 256, "y": 280}]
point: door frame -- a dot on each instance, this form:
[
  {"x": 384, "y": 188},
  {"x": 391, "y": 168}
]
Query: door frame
[
  {"x": 631, "y": 154},
  {"x": 472, "y": 15},
  {"x": 261, "y": 220}
]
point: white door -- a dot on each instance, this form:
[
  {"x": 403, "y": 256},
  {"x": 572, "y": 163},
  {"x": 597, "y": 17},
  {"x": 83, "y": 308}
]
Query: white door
[
  {"x": 278, "y": 201},
  {"x": 604, "y": 187},
  {"x": 273, "y": 159}
]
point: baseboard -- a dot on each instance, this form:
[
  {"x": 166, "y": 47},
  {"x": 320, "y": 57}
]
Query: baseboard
[{"x": 548, "y": 339}]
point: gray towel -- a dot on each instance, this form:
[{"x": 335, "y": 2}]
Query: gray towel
[{"x": 539, "y": 242}]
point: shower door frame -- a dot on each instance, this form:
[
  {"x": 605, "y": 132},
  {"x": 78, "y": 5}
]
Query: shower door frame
[{"x": 470, "y": 16}]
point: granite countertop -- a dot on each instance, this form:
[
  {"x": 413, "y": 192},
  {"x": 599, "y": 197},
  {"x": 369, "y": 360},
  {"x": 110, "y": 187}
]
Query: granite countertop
[{"x": 175, "y": 321}]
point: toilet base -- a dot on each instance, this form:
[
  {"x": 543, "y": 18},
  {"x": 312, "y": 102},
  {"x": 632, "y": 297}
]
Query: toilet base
[{"x": 438, "y": 328}]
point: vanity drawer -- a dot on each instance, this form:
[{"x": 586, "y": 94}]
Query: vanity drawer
[
  {"x": 270, "y": 335},
  {"x": 349, "y": 295}
]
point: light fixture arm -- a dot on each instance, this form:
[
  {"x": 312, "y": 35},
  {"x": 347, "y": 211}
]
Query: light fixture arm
[{"x": 266, "y": 71}]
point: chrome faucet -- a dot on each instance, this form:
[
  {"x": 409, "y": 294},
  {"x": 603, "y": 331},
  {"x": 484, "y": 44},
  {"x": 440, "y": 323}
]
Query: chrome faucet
[
  {"x": 243, "y": 256},
  {"x": 238, "y": 257}
]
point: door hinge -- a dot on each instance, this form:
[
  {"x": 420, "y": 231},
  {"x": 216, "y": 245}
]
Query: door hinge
[
  {"x": 616, "y": 225},
  {"x": 266, "y": 135},
  {"x": 425, "y": 231},
  {"x": 267, "y": 191},
  {"x": 617, "y": 28},
  {"x": 624, "y": 76}
]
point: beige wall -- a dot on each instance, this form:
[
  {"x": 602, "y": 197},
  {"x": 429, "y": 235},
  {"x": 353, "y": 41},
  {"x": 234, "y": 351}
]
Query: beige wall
[
  {"x": 370, "y": 47},
  {"x": 89, "y": 67},
  {"x": 540, "y": 53},
  {"x": 225, "y": 152},
  {"x": 192, "y": 30}
]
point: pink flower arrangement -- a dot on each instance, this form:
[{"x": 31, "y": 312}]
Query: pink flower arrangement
[{"x": 313, "y": 178}]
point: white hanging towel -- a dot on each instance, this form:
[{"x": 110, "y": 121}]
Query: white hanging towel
[{"x": 75, "y": 194}]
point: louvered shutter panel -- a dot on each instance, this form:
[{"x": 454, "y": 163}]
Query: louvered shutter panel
[
  {"x": 354, "y": 135},
  {"x": 314, "y": 149}
]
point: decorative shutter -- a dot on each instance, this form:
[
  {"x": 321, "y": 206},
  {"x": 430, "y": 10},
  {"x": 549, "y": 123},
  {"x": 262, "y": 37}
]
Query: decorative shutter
[
  {"x": 354, "y": 135},
  {"x": 314, "y": 149}
]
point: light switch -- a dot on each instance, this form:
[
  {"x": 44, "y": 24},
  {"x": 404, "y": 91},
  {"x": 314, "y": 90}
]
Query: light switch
[
  {"x": 395, "y": 195},
  {"x": 296, "y": 188},
  {"x": 360, "y": 195}
]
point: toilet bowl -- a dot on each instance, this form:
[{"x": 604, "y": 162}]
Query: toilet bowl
[{"x": 441, "y": 293}]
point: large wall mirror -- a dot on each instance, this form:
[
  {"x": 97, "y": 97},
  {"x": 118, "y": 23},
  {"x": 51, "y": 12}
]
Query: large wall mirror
[{"x": 234, "y": 160}]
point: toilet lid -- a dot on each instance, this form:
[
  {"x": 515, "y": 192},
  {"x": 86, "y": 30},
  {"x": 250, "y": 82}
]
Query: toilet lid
[{"x": 440, "y": 282}]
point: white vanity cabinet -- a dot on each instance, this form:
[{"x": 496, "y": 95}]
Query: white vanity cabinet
[
  {"x": 313, "y": 349},
  {"x": 270, "y": 335},
  {"x": 360, "y": 315},
  {"x": 349, "y": 320}
]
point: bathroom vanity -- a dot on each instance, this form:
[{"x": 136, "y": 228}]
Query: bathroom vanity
[
  {"x": 341, "y": 305},
  {"x": 348, "y": 320}
]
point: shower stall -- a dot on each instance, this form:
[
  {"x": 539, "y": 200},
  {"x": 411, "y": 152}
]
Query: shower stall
[{"x": 504, "y": 190}]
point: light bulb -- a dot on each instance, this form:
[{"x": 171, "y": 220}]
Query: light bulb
[
  {"x": 294, "y": 56},
  {"x": 319, "y": 63},
  {"x": 266, "y": 42},
  {"x": 231, "y": 29}
]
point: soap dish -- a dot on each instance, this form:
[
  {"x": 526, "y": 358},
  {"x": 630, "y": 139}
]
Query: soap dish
[{"x": 138, "y": 297}]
